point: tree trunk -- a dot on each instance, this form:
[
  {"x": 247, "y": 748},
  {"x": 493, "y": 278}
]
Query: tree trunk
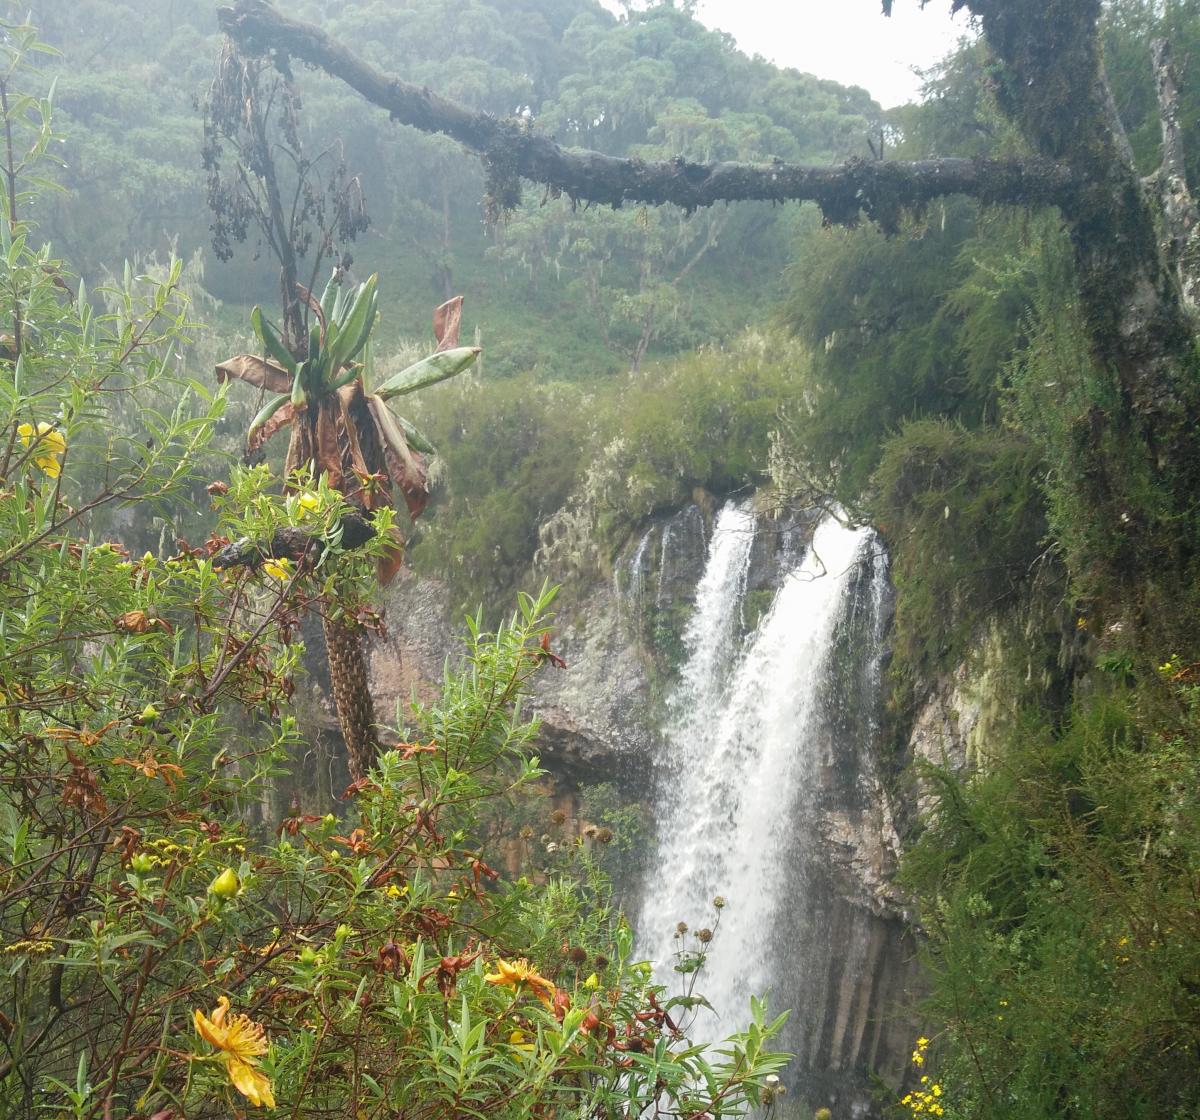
[{"x": 352, "y": 695}]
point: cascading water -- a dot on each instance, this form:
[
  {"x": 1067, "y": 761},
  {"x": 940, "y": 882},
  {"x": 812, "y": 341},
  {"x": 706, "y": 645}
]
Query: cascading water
[{"x": 739, "y": 778}]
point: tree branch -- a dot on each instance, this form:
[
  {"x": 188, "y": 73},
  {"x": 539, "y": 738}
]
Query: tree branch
[
  {"x": 880, "y": 190},
  {"x": 292, "y": 544}
]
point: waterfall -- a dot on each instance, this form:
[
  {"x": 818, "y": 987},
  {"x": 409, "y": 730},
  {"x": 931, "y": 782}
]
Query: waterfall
[
  {"x": 636, "y": 581},
  {"x": 739, "y": 777}
]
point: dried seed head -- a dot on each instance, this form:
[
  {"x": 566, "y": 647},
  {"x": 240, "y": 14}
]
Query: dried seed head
[
  {"x": 577, "y": 955},
  {"x": 704, "y": 936},
  {"x": 681, "y": 928},
  {"x": 719, "y": 902},
  {"x": 604, "y": 835},
  {"x": 559, "y": 816}
]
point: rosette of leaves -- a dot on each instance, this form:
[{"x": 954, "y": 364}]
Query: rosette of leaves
[{"x": 340, "y": 427}]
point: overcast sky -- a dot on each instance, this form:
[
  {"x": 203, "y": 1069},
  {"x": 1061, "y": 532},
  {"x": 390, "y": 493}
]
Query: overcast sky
[{"x": 847, "y": 40}]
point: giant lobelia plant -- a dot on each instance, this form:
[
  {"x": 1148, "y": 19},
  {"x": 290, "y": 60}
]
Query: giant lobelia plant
[
  {"x": 342, "y": 430},
  {"x": 303, "y": 206}
]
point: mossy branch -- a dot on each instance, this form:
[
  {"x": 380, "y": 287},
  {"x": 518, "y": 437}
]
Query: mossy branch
[
  {"x": 292, "y": 544},
  {"x": 880, "y": 190}
]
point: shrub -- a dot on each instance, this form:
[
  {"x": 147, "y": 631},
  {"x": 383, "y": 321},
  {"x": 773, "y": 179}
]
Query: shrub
[{"x": 1057, "y": 892}]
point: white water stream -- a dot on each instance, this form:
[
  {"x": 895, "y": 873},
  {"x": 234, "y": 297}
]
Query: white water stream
[{"x": 739, "y": 768}]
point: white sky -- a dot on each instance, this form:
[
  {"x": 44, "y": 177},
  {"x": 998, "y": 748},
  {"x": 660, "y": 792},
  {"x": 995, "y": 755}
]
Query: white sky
[{"x": 847, "y": 40}]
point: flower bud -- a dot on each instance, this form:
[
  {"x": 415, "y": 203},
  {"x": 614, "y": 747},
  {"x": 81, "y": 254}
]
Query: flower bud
[{"x": 225, "y": 885}]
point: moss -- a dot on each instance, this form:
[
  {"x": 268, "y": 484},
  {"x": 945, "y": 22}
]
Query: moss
[
  {"x": 755, "y": 606},
  {"x": 964, "y": 519}
]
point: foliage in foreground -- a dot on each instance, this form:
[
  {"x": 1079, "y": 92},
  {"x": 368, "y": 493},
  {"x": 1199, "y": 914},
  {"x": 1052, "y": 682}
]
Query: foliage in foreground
[
  {"x": 169, "y": 952},
  {"x": 1060, "y": 902}
]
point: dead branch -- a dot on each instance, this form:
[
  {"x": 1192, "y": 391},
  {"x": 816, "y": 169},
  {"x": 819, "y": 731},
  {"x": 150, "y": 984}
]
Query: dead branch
[{"x": 292, "y": 544}]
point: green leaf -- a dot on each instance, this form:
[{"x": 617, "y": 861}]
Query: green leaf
[
  {"x": 271, "y": 340},
  {"x": 416, "y": 439},
  {"x": 269, "y": 409},
  {"x": 429, "y": 371}
]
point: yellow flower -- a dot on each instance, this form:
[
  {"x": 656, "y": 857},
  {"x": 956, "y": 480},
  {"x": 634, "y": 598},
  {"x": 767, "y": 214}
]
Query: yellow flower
[
  {"x": 279, "y": 568},
  {"x": 592, "y": 982},
  {"x": 517, "y": 1039},
  {"x": 241, "y": 1042},
  {"x": 35, "y": 946},
  {"x": 50, "y": 447},
  {"x": 521, "y": 974},
  {"x": 309, "y": 501}
]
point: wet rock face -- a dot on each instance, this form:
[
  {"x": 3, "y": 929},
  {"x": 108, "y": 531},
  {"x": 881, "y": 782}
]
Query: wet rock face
[{"x": 862, "y": 978}]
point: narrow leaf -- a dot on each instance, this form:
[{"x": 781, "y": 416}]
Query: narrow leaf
[
  {"x": 404, "y": 465},
  {"x": 429, "y": 371},
  {"x": 271, "y": 340},
  {"x": 273, "y": 418}
]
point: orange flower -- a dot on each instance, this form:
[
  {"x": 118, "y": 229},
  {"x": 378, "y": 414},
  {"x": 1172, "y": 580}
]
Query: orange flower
[
  {"x": 519, "y": 975},
  {"x": 241, "y": 1043},
  {"x": 152, "y": 768}
]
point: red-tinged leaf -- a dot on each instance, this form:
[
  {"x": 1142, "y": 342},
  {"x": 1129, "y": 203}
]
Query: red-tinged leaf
[
  {"x": 447, "y": 321},
  {"x": 286, "y": 414},
  {"x": 391, "y": 561},
  {"x": 547, "y": 655},
  {"x": 355, "y": 788},
  {"x": 260, "y": 372}
]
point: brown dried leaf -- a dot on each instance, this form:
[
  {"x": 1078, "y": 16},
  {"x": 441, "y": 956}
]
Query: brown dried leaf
[
  {"x": 299, "y": 453},
  {"x": 286, "y": 414},
  {"x": 405, "y": 466},
  {"x": 314, "y": 306},
  {"x": 257, "y": 371},
  {"x": 391, "y": 561},
  {"x": 447, "y": 321},
  {"x": 362, "y": 451},
  {"x": 328, "y": 453}
]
